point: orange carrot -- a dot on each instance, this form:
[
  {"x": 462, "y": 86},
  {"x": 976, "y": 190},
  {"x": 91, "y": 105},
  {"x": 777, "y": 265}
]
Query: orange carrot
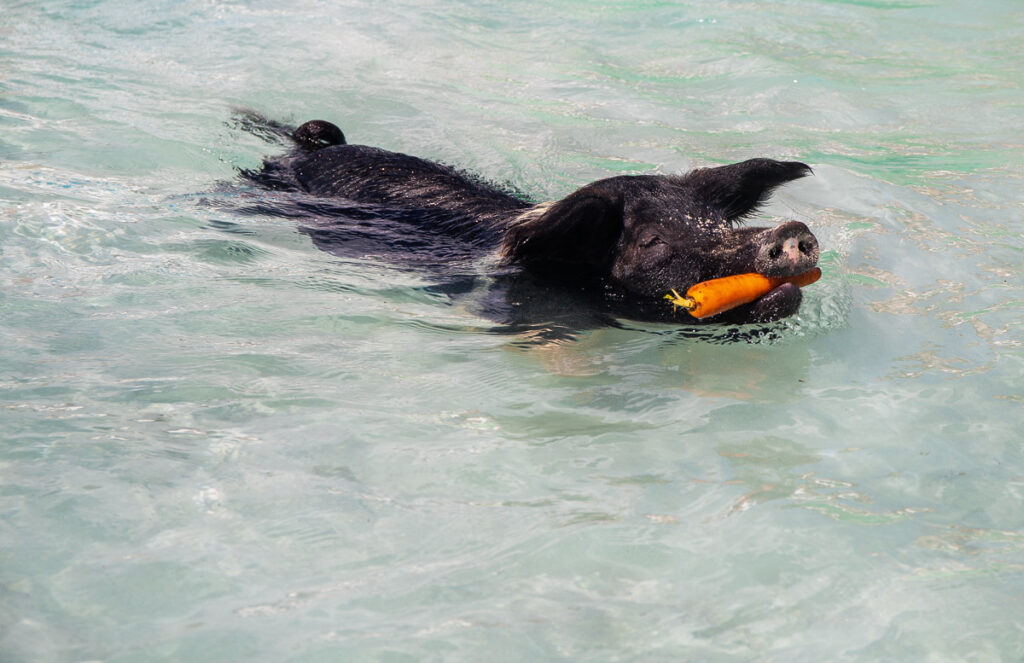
[{"x": 717, "y": 295}]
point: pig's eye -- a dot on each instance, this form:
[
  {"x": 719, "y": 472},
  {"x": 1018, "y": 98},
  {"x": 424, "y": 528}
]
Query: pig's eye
[{"x": 651, "y": 240}]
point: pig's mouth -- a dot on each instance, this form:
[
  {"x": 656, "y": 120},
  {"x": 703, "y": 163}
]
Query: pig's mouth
[{"x": 709, "y": 298}]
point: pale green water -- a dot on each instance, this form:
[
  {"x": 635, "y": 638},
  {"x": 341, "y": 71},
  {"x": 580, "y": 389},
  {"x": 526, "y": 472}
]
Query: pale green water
[{"x": 228, "y": 446}]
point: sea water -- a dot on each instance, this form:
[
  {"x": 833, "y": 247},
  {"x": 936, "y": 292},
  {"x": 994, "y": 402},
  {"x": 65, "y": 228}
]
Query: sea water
[{"x": 220, "y": 443}]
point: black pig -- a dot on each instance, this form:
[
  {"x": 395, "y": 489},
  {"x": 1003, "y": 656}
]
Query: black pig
[{"x": 624, "y": 241}]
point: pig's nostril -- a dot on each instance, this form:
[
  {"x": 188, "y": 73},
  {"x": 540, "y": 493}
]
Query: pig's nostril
[{"x": 787, "y": 250}]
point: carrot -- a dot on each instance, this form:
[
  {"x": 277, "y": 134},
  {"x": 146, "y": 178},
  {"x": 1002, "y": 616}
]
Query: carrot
[{"x": 717, "y": 295}]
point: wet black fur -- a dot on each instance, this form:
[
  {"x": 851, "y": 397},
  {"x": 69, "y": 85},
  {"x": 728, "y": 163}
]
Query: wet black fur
[{"x": 616, "y": 245}]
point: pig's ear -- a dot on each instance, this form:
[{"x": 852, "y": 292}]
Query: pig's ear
[
  {"x": 576, "y": 233},
  {"x": 739, "y": 189}
]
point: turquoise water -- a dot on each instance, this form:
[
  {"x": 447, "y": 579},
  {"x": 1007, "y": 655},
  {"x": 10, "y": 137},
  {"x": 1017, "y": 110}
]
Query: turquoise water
[{"x": 220, "y": 443}]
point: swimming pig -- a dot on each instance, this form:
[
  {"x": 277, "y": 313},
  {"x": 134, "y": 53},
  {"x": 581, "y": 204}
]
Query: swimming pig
[{"x": 625, "y": 241}]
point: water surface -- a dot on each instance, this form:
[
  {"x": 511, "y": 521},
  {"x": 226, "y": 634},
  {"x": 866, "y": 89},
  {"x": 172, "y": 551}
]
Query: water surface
[{"x": 220, "y": 443}]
